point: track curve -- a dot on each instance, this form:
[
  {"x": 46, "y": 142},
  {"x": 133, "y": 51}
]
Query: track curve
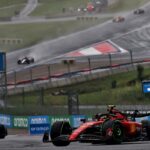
[{"x": 50, "y": 49}]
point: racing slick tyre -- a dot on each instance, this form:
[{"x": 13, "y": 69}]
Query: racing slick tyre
[
  {"x": 3, "y": 131},
  {"x": 32, "y": 60},
  {"x": 113, "y": 131},
  {"x": 28, "y": 61},
  {"x": 19, "y": 62},
  {"x": 60, "y": 128}
]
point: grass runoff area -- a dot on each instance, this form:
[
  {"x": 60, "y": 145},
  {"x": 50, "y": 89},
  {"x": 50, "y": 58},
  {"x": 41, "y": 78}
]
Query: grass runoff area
[
  {"x": 9, "y": 8},
  {"x": 125, "y": 5},
  {"x": 18, "y": 36},
  {"x": 53, "y": 7},
  {"x": 122, "y": 89},
  {"x": 33, "y": 33}
]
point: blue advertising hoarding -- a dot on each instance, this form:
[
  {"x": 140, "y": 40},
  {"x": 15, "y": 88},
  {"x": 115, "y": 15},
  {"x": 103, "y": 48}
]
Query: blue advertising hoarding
[
  {"x": 76, "y": 120},
  {"x": 39, "y": 119},
  {"x": 39, "y": 124},
  {"x": 6, "y": 120},
  {"x": 2, "y": 61},
  {"x": 39, "y": 128},
  {"x": 146, "y": 86}
]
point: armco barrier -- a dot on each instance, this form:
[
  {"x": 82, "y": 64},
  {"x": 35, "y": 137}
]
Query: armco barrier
[{"x": 37, "y": 125}]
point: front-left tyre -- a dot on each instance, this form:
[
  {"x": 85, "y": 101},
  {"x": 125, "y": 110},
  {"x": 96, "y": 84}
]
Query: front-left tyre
[
  {"x": 113, "y": 130},
  {"x": 58, "y": 129}
]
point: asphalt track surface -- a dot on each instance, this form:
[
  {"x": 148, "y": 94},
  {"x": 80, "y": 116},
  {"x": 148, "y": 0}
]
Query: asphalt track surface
[
  {"x": 26, "y": 142},
  {"x": 30, "y": 6},
  {"x": 46, "y": 51}
]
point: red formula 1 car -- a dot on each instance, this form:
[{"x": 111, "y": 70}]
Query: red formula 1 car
[{"x": 113, "y": 127}]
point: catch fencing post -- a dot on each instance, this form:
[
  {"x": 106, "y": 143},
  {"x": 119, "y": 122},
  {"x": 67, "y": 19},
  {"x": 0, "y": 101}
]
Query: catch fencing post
[
  {"x": 68, "y": 66},
  {"x": 15, "y": 79},
  {"x": 41, "y": 98},
  {"x": 23, "y": 96},
  {"x": 131, "y": 57},
  {"x": 49, "y": 72},
  {"x": 89, "y": 63},
  {"x": 3, "y": 77},
  {"x": 73, "y": 102},
  {"x": 31, "y": 75},
  {"x": 110, "y": 61}
]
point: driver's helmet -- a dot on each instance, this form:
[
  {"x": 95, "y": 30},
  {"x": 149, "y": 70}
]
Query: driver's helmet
[
  {"x": 101, "y": 116},
  {"x": 97, "y": 116},
  {"x": 110, "y": 108}
]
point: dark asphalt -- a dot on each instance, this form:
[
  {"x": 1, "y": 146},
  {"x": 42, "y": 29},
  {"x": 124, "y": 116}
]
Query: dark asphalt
[{"x": 25, "y": 142}]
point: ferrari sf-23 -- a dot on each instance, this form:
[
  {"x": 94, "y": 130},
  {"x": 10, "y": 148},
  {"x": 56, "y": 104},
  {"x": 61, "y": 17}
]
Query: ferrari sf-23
[{"x": 112, "y": 127}]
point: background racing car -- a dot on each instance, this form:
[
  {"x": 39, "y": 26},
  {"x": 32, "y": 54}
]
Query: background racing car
[
  {"x": 113, "y": 127},
  {"x": 139, "y": 11},
  {"x": 118, "y": 19},
  {"x": 25, "y": 60}
]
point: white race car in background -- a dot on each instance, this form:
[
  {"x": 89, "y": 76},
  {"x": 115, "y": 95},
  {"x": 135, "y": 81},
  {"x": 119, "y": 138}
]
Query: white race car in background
[
  {"x": 139, "y": 11},
  {"x": 25, "y": 60},
  {"x": 118, "y": 19}
]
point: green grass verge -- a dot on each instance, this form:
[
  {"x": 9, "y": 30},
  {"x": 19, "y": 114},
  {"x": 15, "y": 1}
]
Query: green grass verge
[
  {"x": 54, "y": 7},
  {"x": 33, "y": 33},
  {"x": 125, "y": 5},
  {"x": 8, "y": 8},
  {"x": 7, "y": 3},
  {"x": 30, "y": 34},
  {"x": 96, "y": 92},
  {"x": 11, "y": 11}
]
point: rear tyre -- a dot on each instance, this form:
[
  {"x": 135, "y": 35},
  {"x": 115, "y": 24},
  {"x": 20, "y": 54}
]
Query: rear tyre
[
  {"x": 60, "y": 128},
  {"x": 32, "y": 60},
  {"x": 117, "y": 133},
  {"x": 113, "y": 132},
  {"x": 28, "y": 61}
]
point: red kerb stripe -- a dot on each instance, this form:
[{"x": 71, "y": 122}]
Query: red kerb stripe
[{"x": 105, "y": 48}]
